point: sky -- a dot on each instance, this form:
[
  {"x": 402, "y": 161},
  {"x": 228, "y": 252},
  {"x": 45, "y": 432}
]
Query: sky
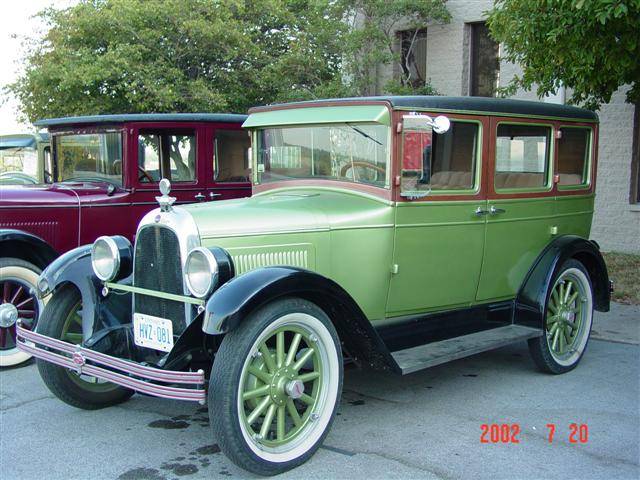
[{"x": 16, "y": 23}]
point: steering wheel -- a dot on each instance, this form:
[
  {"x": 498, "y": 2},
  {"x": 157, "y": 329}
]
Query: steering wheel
[
  {"x": 348, "y": 166},
  {"x": 145, "y": 174}
]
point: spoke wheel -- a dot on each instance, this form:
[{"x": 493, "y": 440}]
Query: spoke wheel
[
  {"x": 567, "y": 322},
  {"x": 275, "y": 386},
  {"x": 18, "y": 301}
]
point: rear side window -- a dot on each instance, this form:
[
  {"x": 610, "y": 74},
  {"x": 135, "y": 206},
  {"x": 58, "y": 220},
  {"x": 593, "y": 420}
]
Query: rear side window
[
  {"x": 231, "y": 156},
  {"x": 573, "y": 156},
  {"x": 522, "y": 156}
]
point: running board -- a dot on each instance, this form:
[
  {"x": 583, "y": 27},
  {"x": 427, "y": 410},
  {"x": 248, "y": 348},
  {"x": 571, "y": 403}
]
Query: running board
[{"x": 432, "y": 354}]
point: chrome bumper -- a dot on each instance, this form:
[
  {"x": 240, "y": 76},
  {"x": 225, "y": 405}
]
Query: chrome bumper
[{"x": 135, "y": 376}]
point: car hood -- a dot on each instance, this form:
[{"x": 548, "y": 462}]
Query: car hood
[
  {"x": 63, "y": 194},
  {"x": 288, "y": 211}
]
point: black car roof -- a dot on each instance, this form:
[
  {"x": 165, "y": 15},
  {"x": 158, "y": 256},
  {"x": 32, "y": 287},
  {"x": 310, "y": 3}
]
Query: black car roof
[
  {"x": 143, "y": 117},
  {"x": 470, "y": 104}
]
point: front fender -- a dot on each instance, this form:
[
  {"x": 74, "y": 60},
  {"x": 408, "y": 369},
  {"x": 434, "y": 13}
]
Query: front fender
[
  {"x": 74, "y": 267},
  {"x": 232, "y": 303},
  {"x": 532, "y": 296}
]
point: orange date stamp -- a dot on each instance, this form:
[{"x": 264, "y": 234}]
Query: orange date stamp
[{"x": 510, "y": 433}]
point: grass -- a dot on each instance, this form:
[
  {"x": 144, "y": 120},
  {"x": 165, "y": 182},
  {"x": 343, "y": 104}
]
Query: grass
[{"x": 624, "y": 270}]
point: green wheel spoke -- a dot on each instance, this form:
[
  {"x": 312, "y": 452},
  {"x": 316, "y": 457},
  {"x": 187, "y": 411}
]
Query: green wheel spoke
[
  {"x": 303, "y": 359},
  {"x": 555, "y": 340},
  {"x": 259, "y": 374},
  {"x": 567, "y": 336},
  {"x": 569, "y": 286},
  {"x": 551, "y": 307},
  {"x": 280, "y": 349},
  {"x": 307, "y": 377},
  {"x": 293, "y": 412},
  {"x": 573, "y": 297},
  {"x": 280, "y": 423},
  {"x": 262, "y": 406},
  {"x": 552, "y": 319},
  {"x": 257, "y": 392},
  {"x": 561, "y": 342},
  {"x": 560, "y": 293},
  {"x": 268, "y": 359},
  {"x": 293, "y": 348},
  {"x": 268, "y": 420},
  {"x": 75, "y": 338},
  {"x": 554, "y": 297},
  {"x": 307, "y": 399}
]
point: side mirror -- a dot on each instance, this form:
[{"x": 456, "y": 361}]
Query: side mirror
[{"x": 441, "y": 124}]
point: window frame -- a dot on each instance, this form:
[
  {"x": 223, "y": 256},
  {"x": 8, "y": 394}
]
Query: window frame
[
  {"x": 589, "y": 162},
  {"x": 550, "y": 160},
  {"x": 162, "y": 129},
  {"x": 389, "y": 163},
  {"x": 55, "y": 135},
  {"x": 472, "y": 64},
  {"x": 477, "y": 177}
]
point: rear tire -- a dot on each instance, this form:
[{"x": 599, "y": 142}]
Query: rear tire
[
  {"x": 567, "y": 320},
  {"x": 60, "y": 320},
  {"x": 275, "y": 386}
]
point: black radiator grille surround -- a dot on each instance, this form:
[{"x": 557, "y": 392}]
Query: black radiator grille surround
[{"x": 157, "y": 266}]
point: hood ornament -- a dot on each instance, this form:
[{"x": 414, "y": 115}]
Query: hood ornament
[{"x": 165, "y": 201}]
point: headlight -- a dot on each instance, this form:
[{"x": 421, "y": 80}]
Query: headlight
[
  {"x": 105, "y": 258},
  {"x": 201, "y": 272}
]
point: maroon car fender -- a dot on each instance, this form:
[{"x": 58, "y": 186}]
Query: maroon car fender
[{"x": 26, "y": 246}]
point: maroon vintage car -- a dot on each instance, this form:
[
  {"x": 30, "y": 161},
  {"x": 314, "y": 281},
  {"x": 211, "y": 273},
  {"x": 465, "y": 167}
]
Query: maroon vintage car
[{"x": 107, "y": 170}]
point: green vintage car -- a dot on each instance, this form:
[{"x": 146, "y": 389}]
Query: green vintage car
[{"x": 394, "y": 232}]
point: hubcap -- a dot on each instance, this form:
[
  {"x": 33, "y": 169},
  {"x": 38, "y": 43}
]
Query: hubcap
[{"x": 8, "y": 315}]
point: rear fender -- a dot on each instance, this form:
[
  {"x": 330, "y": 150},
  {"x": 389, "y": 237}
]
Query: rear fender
[
  {"x": 532, "y": 296},
  {"x": 26, "y": 246}
]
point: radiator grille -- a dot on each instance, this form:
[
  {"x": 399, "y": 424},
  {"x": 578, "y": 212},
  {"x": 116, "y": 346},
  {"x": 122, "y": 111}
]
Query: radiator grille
[{"x": 158, "y": 267}]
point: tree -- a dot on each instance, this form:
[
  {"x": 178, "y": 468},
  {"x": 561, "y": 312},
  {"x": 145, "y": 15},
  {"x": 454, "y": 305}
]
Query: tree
[
  {"x": 371, "y": 41},
  {"x": 116, "y": 56},
  {"x": 590, "y": 46}
]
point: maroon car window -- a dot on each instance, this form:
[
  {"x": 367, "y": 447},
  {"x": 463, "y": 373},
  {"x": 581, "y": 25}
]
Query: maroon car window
[
  {"x": 231, "y": 156},
  {"x": 167, "y": 154},
  {"x": 93, "y": 156}
]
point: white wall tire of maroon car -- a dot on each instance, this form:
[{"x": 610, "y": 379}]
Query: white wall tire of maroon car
[{"x": 18, "y": 301}]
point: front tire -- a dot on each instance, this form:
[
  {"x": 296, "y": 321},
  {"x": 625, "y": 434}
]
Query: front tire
[
  {"x": 275, "y": 386},
  {"x": 18, "y": 281},
  {"x": 62, "y": 320},
  {"x": 567, "y": 322}
]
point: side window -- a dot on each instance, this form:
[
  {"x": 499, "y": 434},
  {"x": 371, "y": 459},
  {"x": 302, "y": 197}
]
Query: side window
[
  {"x": 231, "y": 156},
  {"x": 573, "y": 156},
  {"x": 445, "y": 161},
  {"x": 166, "y": 154},
  {"x": 522, "y": 156}
]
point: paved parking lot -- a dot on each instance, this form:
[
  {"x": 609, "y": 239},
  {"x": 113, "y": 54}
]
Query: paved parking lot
[{"x": 425, "y": 425}]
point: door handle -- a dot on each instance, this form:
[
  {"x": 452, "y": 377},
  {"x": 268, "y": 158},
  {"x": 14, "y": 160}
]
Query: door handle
[
  {"x": 200, "y": 197},
  {"x": 213, "y": 196},
  {"x": 480, "y": 212},
  {"x": 496, "y": 211}
]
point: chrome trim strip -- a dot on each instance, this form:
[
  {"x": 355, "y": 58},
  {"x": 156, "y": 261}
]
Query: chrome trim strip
[
  {"x": 126, "y": 366},
  {"x": 153, "y": 293}
]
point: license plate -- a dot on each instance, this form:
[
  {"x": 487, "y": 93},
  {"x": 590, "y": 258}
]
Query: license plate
[{"x": 152, "y": 332}]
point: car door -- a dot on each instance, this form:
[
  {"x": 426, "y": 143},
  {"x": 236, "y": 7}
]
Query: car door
[
  {"x": 175, "y": 151},
  {"x": 231, "y": 164},
  {"x": 439, "y": 224},
  {"x": 521, "y": 204}
]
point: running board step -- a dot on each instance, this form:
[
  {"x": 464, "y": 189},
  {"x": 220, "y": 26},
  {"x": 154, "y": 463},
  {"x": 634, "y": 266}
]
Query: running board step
[{"x": 432, "y": 354}]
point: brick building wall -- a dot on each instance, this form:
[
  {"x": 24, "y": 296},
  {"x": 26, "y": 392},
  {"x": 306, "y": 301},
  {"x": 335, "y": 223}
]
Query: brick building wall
[{"x": 616, "y": 222}]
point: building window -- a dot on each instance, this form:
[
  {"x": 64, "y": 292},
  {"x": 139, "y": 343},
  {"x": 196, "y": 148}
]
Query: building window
[
  {"x": 413, "y": 57},
  {"x": 484, "y": 65}
]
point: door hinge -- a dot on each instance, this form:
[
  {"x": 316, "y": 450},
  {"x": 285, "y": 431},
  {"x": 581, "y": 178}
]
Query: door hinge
[{"x": 394, "y": 269}]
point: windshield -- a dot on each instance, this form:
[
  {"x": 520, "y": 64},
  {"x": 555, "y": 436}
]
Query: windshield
[
  {"x": 348, "y": 152},
  {"x": 22, "y": 160},
  {"x": 93, "y": 156}
]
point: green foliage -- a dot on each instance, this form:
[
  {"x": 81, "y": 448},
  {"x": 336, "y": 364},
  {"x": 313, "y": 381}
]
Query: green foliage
[
  {"x": 590, "y": 46},
  {"x": 371, "y": 40},
  {"x": 115, "y": 56},
  {"x": 134, "y": 56}
]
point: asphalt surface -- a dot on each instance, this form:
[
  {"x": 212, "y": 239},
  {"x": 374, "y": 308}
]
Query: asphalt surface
[{"x": 425, "y": 425}]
